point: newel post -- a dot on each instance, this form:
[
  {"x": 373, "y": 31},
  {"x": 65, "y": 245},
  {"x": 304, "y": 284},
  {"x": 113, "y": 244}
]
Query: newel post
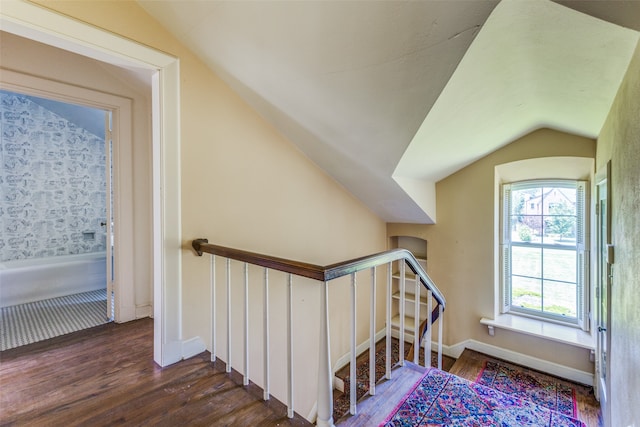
[{"x": 325, "y": 376}]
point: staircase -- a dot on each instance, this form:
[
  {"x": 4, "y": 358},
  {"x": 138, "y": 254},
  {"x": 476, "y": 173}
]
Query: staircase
[
  {"x": 343, "y": 378},
  {"x": 278, "y": 326},
  {"x": 231, "y": 323},
  {"x": 410, "y": 309}
]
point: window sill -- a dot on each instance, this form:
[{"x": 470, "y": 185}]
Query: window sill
[{"x": 541, "y": 329}]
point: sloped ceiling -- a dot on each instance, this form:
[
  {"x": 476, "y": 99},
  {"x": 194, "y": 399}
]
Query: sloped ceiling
[{"x": 389, "y": 97}]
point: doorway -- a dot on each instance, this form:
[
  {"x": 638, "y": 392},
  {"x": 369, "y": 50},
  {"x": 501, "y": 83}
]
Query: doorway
[
  {"x": 113, "y": 224},
  {"x": 53, "y": 29},
  {"x": 55, "y": 248},
  {"x": 603, "y": 290}
]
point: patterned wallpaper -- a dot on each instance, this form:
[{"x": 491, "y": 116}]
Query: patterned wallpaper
[{"x": 52, "y": 183}]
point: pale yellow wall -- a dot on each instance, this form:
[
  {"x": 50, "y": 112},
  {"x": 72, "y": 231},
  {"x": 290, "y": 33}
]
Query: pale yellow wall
[
  {"x": 245, "y": 186},
  {"x": 36, "y": 59},
  {"x": 619, "y": 142},
  {"x": 461, "y": 246}
]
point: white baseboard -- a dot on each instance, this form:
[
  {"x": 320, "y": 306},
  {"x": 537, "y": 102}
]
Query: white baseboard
[
  {"x": 143, "y": 311},
  {"x": 192, "y": 346},
  {"x": 313, "y": 413},
  {"x": 345, "y": 358},
  {"x": 408, "y": 335},
  {"x": 552, "y": 368},
  {"x": 455, "y": 351}
]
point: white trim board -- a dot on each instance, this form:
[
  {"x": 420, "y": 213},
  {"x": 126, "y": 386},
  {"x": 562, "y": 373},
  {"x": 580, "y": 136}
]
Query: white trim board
[
  {"x": 541, "y": 365},
  {"x": 143, "y": 311},
  {"x": 45, "y": 26},
  {"x": 455, "y": 351},
  {"x": 192, "y": 347},
  {"x": 360, "y": 348},
  {"x": 541, "y": 329},
  {"x": 122, "y": 170}
]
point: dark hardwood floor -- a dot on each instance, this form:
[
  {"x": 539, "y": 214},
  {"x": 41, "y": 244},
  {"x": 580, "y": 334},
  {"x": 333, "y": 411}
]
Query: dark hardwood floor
[{"x": 106, "y": 376}]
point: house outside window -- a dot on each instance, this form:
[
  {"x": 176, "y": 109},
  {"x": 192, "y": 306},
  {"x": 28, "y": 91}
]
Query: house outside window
[{"x": 543, "y": 256}]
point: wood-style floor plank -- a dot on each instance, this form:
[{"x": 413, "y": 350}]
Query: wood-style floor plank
[{"x": 106, "y": 376}]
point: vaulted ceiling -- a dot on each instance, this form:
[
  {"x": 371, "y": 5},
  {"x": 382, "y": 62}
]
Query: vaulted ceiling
[{"x": 390, "y": 97}]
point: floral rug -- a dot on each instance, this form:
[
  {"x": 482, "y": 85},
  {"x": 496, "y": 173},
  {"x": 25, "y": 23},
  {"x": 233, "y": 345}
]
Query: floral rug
[
  {"x": 526, "y": 384},
  {"x": 443, "y": 399}
]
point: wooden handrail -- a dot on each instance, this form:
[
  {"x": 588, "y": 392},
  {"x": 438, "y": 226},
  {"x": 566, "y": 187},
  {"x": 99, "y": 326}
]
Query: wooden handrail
[{"x": 322, "y": 273}]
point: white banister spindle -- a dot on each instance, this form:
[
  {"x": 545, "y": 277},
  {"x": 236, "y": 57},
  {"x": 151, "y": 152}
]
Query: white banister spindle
[
  {"x": 427, "y": 335},
  {"x": 372, "y": 335},
  {"x": 245, "y": 378},
  {"x": 440, "y": 320},
  {"x": 402, "y": 303},
  {"x": 426, "y": 344},
  {"x": 289, "y": 348},
  {"x": 265, "y": 338},
  {"x": 213, "y": 308},
  {"x": 325, "y": 376},
  {"x": 416, "y": 321},
  {"x": 352, "y": 363},
  {"x": 324, "y": 406},
  {"x": 228, "y": 369},
  {"x": 388, "y": 324}
]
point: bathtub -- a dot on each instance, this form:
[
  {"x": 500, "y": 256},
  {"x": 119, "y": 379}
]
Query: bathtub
[{"x": 28, "y": 280}]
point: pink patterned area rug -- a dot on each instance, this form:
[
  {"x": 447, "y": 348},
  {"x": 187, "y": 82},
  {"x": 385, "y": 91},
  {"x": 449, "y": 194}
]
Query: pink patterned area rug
[
  {"x": 443, "y": 399},
  {"x": 539, "y": 388}
]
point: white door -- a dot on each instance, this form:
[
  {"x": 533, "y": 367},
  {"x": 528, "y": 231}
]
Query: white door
[
  {"x": 108, "y": 224},
  {"x": 603, "y": 293}
]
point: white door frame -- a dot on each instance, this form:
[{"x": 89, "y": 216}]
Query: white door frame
[
  {"x": 604, "y": 263},
  {"x": 120, "y": 108},
  {"x": 45, "y": 26}
]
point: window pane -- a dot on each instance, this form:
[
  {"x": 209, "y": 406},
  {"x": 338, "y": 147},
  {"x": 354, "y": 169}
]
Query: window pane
[
  {"x": 528, "y": 228},
  {"x": 560, "y": 230},
  {"x": 526, "y": 293},
  {"x": 559, "y": 201},
  {"x": 560, "y": 298},
  {"x": 526, "y": 261},
  {"x": 526, "y": 202},
  {"x": 559, "y": 265},
  {"x": 559, "y": 208}
]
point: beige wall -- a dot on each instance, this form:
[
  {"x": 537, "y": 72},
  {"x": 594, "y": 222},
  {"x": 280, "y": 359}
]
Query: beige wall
[
  {"x": 461, "y": 247},
  {"x": 245, "y": 186},
  {"x": 619, "y": 142},
  {"x": 49, "y": 63}
]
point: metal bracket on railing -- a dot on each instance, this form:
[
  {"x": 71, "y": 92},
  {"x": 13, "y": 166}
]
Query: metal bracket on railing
[{"x": 196, "y": 245}]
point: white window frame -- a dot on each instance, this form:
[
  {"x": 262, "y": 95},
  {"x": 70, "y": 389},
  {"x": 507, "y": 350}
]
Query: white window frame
[{"x": 582, "y": 252}]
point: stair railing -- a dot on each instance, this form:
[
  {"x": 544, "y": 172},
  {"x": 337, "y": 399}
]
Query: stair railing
[{"x": 325, "y": 275}]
